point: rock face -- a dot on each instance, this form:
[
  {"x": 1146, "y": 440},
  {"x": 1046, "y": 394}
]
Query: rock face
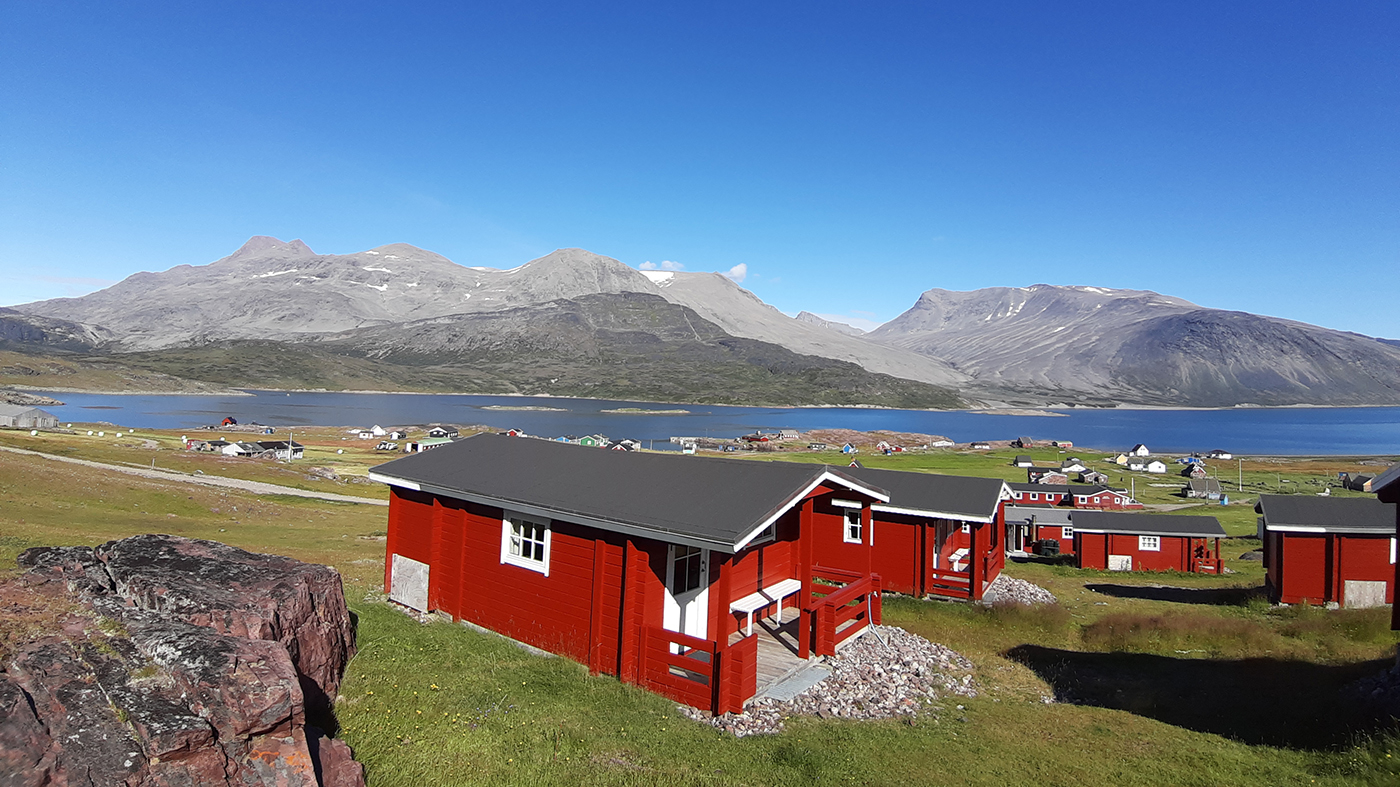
[
  {"x": 158, "y": 660},
  {"x": 1095, "y": 345}
]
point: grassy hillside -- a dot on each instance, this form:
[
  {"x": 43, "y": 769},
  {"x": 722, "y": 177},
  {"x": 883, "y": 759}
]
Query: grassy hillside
[{"x": 1196, "y": 683}]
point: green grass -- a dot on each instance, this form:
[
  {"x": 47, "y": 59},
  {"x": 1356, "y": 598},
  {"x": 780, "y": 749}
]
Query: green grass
[{"x": 1252, "y": 701}]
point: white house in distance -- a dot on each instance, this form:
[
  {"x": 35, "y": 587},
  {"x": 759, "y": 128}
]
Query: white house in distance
[
  {"x": 1139, "y": 450},
  {"x": 1219, "y": 454}
]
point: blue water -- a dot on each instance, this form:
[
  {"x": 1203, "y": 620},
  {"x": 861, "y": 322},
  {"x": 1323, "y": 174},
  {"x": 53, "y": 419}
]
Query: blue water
[{"x": 1357, "y": 430}]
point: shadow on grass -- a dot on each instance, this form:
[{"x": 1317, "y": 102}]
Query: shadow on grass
[
  {"x": 1258, "y": 701},
  {"x": 1221, "y": 597}
]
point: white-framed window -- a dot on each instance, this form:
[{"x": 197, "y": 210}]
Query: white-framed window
[
  {"x": 764, "y": 536},
  {"x": 1149, "y": 544},
  {"x": 1392, "y": 551},
  {"x": 525, "y": 542},
  {"x": 687, "y": 569},
  {"x": 966, "y": 527},
  {"x": 1067, "y": 533},
  {"x": 1035, "y": 495},
  {"x": 851, "y": 533}
]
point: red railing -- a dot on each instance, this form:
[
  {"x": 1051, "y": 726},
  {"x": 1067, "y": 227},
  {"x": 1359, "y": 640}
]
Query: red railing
[
  {"x": 696, "y": 672},
  {"x": 841, "y": 612},
  {"x": 949, "y": 584}
]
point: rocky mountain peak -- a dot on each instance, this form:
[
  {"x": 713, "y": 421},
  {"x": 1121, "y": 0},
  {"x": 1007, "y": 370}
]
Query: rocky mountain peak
[
  {"x": 266, "y": 245},
  {"x": 831, "y": 325}
]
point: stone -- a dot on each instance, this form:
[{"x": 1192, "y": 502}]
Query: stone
[
  {"x": 885, "y": 673},
  {"x": 168, "y": 661}
]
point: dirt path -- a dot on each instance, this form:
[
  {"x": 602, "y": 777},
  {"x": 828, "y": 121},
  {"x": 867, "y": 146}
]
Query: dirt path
[{"x": 256, "y": 487}]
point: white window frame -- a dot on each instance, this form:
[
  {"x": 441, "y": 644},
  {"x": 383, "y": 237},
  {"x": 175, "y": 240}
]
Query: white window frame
[
  {"x": 1036, "y": 496},
  {"x": 848, "y": 527},
  {"x": 521, "y": 561},
  {"x": 1067, "y": 533},
  {"x": 765, "y": 535},
  {"x": 1392, "y": 551},
  {"x": 967, "y": 527},
  {"x": 1149, "y": 543}
]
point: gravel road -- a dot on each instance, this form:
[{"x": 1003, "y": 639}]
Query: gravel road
[{"x": 256, "y": 487}]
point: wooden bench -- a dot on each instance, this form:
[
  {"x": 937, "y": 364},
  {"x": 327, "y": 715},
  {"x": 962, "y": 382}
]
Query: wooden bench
[
  {"x": 958, "y": 560},
  {"x": 774, "y": 593}
]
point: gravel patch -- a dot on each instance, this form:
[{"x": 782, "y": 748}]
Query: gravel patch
[
  {"x": 1009, "y": 590},
  {"x": 896, "y": 674}
]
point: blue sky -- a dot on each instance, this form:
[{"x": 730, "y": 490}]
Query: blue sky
[{"x": 849, "y": 156}]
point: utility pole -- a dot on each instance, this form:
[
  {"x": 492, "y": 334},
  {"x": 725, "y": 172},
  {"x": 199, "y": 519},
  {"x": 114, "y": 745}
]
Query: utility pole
[{"x": 1241, "y": 481}]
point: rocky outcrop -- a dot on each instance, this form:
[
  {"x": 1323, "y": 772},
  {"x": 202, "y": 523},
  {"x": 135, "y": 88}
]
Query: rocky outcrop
[{"x": 158, "y": 660}]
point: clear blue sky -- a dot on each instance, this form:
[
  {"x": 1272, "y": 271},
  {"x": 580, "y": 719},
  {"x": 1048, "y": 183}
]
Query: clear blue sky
[{"x": 851, "y": 155}]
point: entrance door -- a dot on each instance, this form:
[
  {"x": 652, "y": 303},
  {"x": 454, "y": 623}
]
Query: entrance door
[{"x": 687, "y": 591}]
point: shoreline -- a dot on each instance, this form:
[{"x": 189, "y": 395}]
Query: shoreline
[{"x": 1023, "y": 411}]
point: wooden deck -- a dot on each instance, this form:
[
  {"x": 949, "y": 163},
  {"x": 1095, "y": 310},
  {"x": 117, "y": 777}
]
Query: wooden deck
[{"x": 777, "y": 648}]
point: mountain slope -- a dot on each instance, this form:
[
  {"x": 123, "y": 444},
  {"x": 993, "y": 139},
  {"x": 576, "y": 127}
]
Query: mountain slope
[
  {"x": 29, "y": 331},
  {"x": 821, "y": 322},
  {"x": 629, "y": 345},
  {"x": 741, "y": 313},
  {"x": 1092, "y": 344}
]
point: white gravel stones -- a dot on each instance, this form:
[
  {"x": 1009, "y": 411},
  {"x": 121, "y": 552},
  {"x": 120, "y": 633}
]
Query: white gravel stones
[
  {"x": 899, "y": 677},
  {"x": 1009, "y": 590}
]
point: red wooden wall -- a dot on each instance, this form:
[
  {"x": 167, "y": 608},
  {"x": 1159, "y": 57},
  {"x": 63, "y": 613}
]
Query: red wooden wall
[
  {"x": 1314, "y": 567},
  {"x": 1093, "y": 550}
]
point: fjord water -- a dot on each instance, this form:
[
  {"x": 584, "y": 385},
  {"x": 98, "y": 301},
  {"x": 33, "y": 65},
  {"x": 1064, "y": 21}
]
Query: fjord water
[{"x": 1273, "y": 431}]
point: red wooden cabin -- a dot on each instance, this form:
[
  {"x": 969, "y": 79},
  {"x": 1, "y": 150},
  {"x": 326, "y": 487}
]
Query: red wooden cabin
[
  {"x": 1328, "y": 550},
  {"x": 1094, "y": 496},
  {"x": 1130, "y": 541},
  {"x": 660, "y": 569},
  {"x": 937, "y": 535}
]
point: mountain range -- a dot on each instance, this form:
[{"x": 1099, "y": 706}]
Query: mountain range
[{"x": 577, "y": 323}]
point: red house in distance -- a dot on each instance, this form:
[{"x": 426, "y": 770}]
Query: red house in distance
[
  {"x": 1128, "y": 541},
  {"x": 1328, "y": 550},
  {"x": 659, "y": 569}
]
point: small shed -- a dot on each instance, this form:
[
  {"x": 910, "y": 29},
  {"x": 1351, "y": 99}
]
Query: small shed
[
  {"x": 23, "y": 417},
  {"x": 1023, "y": 461},
  {"x": 1208, "y": 488},
  {"x": 1023, "y": 442},
  {"x": 980, "y": 445},
  {"x": 1328, "y": 550},
  {"x": 1092, "y": 477},
  {"x": 1131, "y": 541}
]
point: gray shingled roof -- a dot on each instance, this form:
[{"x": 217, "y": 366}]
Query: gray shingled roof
[
  {"x": 1041, "y": 515},
  {"x": 709, "y": 502},
  {"x": 1310, "y": 513},
  {"x": 1387, "y": 478},
  {"x": 1147, "y": 524},
  {"x": 956, "y": 497}
]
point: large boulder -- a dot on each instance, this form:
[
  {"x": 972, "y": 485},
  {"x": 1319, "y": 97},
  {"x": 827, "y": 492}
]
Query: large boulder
[{"x": 158, "y": 660}]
